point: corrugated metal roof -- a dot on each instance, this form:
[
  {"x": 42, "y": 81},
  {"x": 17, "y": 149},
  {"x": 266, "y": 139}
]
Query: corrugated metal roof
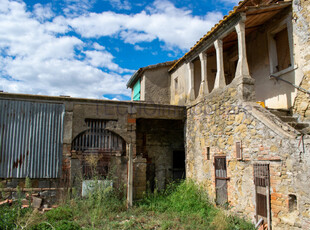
[{"x": 31, "y": 136}]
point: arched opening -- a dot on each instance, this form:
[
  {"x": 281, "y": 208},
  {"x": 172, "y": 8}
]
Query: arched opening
[{"x": 95, "y": 148}]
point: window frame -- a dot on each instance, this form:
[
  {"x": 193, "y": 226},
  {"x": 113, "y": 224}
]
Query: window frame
[
  {"x": 133, "y": 89},
  {"x": 272, "y": 46}
]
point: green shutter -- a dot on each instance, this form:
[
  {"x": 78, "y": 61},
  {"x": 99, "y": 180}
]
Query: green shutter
[{"x": 136, "y": 91}]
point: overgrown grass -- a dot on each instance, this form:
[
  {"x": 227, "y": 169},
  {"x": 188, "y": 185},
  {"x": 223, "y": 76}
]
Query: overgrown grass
[{"x": 180, "y": 206}]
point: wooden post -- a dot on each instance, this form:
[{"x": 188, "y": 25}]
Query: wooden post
[{"x": 130, "y": 176}]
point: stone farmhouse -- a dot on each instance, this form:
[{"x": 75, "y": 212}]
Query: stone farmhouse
[
  {"x": 245, "y": 85},
  {"x": 232, "y": 114}
]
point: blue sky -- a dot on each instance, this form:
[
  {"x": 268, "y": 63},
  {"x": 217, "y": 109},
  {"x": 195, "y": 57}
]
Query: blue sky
[{"x": 89, "y": 48}]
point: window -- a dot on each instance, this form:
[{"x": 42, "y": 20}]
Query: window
[
  {"x": 137, "y": 90},
  {"x": 280, "y": 47},
  {"x": 283, "y": 50},
  {"x": 176, "y": 86},
  {"x": 208, "y": 153},
  {"x": 292, "y": 202},
  {"x": 239, "y": 150}
]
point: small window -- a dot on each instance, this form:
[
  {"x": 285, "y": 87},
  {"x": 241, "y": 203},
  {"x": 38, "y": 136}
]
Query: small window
[
  {"x": 283, "y": 50},
  {"x": 238, "y": 150},
  {"x": 176, "y": 85},
  {"x": 208, "y": 153},
  {"x": 292, "y": 202}
]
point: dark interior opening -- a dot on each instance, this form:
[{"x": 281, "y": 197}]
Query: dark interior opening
[
  {"x": 292, "y": 203},
  {"x": 178, "y": 165}
]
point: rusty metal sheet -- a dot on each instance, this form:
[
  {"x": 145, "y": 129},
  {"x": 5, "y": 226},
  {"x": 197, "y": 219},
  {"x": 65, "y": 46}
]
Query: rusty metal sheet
[{"x": 31, "y": 137}]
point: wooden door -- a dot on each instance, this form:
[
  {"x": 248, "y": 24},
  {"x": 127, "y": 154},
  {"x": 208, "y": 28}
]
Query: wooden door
[{"x": 220, "y": 180}]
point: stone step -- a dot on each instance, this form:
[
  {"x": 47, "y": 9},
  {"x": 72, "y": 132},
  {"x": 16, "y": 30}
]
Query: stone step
[
  {"x": 280, "y": 112},
  {"x": 298, "y": 126},
  {"x": 288, "y": 118}
]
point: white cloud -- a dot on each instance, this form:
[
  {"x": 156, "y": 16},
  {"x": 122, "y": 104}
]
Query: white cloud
[
  {"x": 36, "y": 60},
  {"x": 39, "y": 56},
  {"x": 120, "y": 5},
  {"x": 139, "y": 48},
  {"x": 98, "y": 46},
  {"x": 104, "y": 59},
  {"x": 163, "y": 21},
  {"x": 133, "y": 37},
  {"x": 43, "y": 12},
  {"x": 73, "y": 8}
]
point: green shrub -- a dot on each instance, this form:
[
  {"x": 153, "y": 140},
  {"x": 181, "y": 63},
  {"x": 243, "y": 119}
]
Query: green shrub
[
  {"x": 67, "y": 225},
  {"x": 60, "y": 213},
  {"x": 8, "y": 216},
  {"x": 60, "y": 225},
  {"x": 236, "y": 223},
  {"x": 185, "y": 198}
]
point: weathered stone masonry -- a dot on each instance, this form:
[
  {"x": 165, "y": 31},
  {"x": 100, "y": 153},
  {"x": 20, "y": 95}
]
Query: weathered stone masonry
[
  {"x": 220, "y": 120},
  {"x": 301, "y": 19}
]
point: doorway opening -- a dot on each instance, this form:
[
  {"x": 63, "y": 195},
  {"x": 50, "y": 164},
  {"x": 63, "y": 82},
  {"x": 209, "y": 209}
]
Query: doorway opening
[
  {"x": 178, "y": 165},
  {"x": 221, "y": 180}
]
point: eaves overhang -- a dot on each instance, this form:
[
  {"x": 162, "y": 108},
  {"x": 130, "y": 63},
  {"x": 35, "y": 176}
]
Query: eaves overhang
[
  {"x": 132, "y": 80},
  {"x": 226, "y": 25}
]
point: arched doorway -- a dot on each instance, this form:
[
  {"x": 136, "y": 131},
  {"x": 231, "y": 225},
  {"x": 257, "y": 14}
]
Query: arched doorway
[{"x": 95, "y": 148}]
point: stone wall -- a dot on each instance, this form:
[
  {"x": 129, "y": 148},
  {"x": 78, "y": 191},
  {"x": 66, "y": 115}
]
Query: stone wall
[
  {"x": 301, "y": 21},
  {"x": 157, "y": 85},
  {"x": 156, "y": 141},
  {"x": 223, "y": 118}
]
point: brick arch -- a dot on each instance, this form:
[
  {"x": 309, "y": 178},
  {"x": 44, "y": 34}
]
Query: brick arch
[{"x": 95, "y": 148}]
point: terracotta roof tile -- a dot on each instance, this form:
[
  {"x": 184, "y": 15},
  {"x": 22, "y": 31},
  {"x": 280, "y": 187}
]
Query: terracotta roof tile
[{"x": 225, "y": 18}]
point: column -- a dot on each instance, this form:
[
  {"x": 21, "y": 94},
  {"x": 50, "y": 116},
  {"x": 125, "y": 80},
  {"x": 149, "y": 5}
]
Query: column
[
  {"x": 220, "y": 77},
  {"x": 204, "y": 78},
  {"x": 242, "y": 66},
  {"x": 191, "y": 92}
]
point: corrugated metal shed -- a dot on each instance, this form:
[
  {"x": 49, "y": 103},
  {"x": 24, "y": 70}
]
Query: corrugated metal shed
[{"x": 31, "y": 136}]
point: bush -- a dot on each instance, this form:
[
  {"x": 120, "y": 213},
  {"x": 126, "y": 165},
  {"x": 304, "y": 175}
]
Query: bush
[
  {"x": 8, "y": 216},
  {"x": 186, "y": 198},
  {"x": 60, "y": 225},
  {"x": 60, "y": 213}
]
